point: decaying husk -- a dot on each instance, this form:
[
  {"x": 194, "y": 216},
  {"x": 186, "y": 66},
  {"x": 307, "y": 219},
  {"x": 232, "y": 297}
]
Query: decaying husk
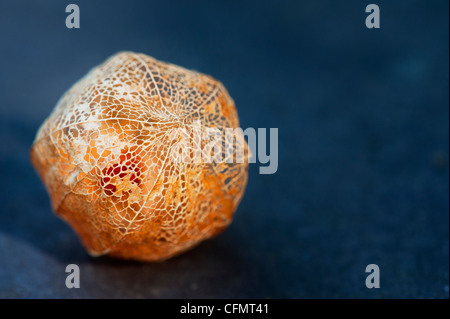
[{"x": 106, "y": 157}]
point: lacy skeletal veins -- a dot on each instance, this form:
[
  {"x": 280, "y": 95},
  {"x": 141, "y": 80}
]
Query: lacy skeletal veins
[{"x": 108, "y": 157}]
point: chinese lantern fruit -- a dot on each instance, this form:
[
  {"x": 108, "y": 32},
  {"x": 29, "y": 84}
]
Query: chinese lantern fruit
[{"x": 110, "y": 159}]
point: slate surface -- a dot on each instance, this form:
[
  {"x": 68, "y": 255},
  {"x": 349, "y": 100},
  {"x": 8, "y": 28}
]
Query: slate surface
[{"x": 363, "y": 146}]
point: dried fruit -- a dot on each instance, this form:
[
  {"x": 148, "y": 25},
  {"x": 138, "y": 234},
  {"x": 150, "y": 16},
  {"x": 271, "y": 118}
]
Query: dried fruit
[{"x": 106, "y": 156}]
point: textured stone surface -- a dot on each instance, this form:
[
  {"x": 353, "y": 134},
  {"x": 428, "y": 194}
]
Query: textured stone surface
[{"x": 363, "y": 129}]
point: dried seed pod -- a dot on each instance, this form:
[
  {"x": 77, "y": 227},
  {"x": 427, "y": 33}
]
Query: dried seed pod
[{"x": 110, "y": 160}]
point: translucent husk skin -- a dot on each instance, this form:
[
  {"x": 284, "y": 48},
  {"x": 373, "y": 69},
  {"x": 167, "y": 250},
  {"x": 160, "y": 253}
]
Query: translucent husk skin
[{"x": 105, "y": 156}]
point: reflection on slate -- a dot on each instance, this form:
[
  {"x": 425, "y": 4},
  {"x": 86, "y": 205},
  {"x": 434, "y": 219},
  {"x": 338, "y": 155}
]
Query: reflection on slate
[{"x": 363, "y": 146}]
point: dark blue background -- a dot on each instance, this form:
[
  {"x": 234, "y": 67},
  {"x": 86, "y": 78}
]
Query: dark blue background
[{"x": 363, "y": 145}]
